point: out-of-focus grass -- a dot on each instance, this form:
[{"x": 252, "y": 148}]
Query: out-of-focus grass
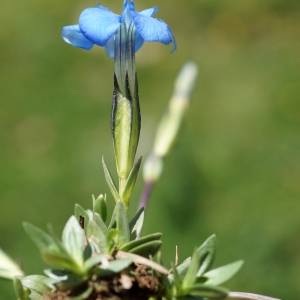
[{"x": 236, "y": 168}]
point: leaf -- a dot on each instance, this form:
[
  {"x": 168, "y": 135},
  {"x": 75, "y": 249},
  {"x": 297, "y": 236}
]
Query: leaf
[
  {"x": 148, "y": 238},
  {"x": 183, "y": 267},
  {"x": 79, "y": 211},
  {"x": 147, "y": 249},
  {"x": 136, "y": 224},
  {"x": 222, "y": 274},
  {"x": 115, "y": 266},
  {"x": 100, "y": 223},
  {"x": 82, "y": 296},
  {"x": 110, "y": 181},
  {"x": 177, "y": 281},
  {"x": 8, "y": 267},
  {"x": 95, "y": 234},
  {"x": 73, "y": 240},
  {"x": 131, "y": 181},
  {"x": 99, "y": 206},
  {"x": 207, "y": 252},
  {"x": 94, "y": 260},
  {"x": 207, "y": 291},
  {"x": 120, "y": 218},
  {"x": 20, "y": 292},
  {"x": 38, "y": 283},
  {"x": 190, "y": 276}
]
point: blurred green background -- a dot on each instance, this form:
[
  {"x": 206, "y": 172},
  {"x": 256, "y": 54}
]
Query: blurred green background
[{"x": 235, "y": 170}]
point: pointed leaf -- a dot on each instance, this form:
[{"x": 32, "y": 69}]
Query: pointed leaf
[
  {"x": 38, "y": 283},
  {"x": 8, "y": 267},
  {"x": 110, "y": 181},
  {"x": 222, "y": 274},
  {"x": 147, "y": 249},
  {"x": 207, "y": 291},
  {"x": 73, "y": 240},
  {"x": 131, "y": 180},
  {"x": 79, "y": 211},
  {"x": 94, "y": 260},
  {"x": 148, "y": 238},
  {"x": 82, "y": 296},
  {"x": 183, "y": 267},
  {"x": 207, "y": 252},
  {"x": 99, "y": 206},
  {"x": 177, "y": 280},
  {"x": 100, "y": 223},
  {"x": 96, "y": 235},
  {"x": 136, "y": 224},
  {"x": 190, "y": 276}
]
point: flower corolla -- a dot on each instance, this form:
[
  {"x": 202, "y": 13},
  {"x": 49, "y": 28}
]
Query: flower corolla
[{"x": 98, "y": 25}]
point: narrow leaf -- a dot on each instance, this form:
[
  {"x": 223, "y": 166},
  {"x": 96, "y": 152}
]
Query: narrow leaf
[
  {"x": 207, "y": 252},
  {"x": 148, "y": 238},
  {"x": 190, "y": 276},
  {"x": 222, "y": 274},
  {"x": 136, "y": 224},
  {"x": 99, "y": 206},
  {"x": 73, "y": 240},
  {"x": 147, "y": 249},
  {"x": 207, "y": 291},
  {"x": 110, "y": 181},
  {"x": 131, "y": 181},
  {"x": 100, "y": 223}
]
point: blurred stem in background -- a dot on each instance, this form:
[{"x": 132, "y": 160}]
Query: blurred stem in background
[{"x": 168, "y": 128}]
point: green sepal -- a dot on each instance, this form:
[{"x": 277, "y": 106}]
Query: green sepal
[
  {"x": 110, "y": 181},
  {"x": 145, "y": 239},
  {"x": 147, "y": 249},
  {"x": 119, "y": 221},
  {"x": 131, "y": 182},
  {"x": 206, "y": 291},
  {"x": 136, "y": 224},
  {"x": 95, "y": 235},
  {"x": 82, "y": 296},
  {"x": 21, "y": 292},
  {"x": 99, "y": 206},
  {"x": 79, "y": 211},
  {"x": 73, "y": 240},
  {"x": 190, "y": 276},
  {"x": 219, "y": 275}
]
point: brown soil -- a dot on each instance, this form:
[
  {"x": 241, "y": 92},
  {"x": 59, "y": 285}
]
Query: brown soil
[{"x": 125, "y": 286}]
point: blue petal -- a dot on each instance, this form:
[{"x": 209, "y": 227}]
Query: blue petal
[
  {"x": 153, "y": 30},
  {"x": 139, "y": 41},
  {"x": 73, "y": 36},
  {"x": 150, "y": 11},
  {"x": 110, "y": 47},
  {"x": 98, "y": 24}
]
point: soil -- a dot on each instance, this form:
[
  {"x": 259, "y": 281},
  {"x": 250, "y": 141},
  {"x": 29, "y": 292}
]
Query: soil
[{"x": 137, "y": 285}]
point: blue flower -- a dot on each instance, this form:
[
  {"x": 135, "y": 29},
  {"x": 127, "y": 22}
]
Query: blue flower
[{"x": 98, "y": 25}]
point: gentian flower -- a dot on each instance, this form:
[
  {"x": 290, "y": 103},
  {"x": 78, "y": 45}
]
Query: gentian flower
[{"x": 98, "y": 25}]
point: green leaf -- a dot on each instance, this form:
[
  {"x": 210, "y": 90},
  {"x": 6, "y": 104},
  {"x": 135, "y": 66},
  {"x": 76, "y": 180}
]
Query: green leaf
[
  {"x": 95, "y": 234},
  {"x": 38, "y": 283},
  {"x": 190, "y": 276},
  {"x": 82, "y": 296},
  {"x": 136, "y": 224},
  {"x": 100, "y": 223},
  {"x": 99, "y": 206},
  {"x": 183, "y": 267},
  {"x": 222, "y": 274},
  {"x": 20, "y": 292},
  {"x": 147, "y": 249},
  {"x": 35, "y": 296},
  {"x": 118, "y": 265},
  {"x": 131, "y": 181},
  {"x": 94, "y": 260},
  {"x": 73, "y": 240},
  {"x": 119, "y": 217},
  {"x": 148, "y": 238},
  {"x": 207, "y": 252},
  {"x": 8, "y": 267},
  {"x": 110, "y": 181},
  {"x": 207, "y": 291},
  {"x": 177, "y": 282},
  {"x": 79, "y": 211}
]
